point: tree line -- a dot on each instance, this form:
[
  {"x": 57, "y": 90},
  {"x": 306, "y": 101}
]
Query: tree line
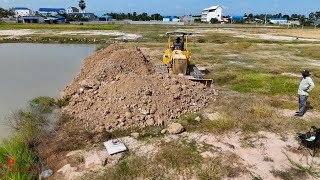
[
  {"x": 135, "y": 16},
  {"x": 6, "y": 12},
  {"x": 298, "y": 17}
]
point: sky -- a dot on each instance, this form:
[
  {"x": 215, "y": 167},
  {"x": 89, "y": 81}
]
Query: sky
[{"x": 177, "y": 7}]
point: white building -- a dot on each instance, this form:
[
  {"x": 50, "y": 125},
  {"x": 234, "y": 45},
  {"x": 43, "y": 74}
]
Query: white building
[
  {"x": 72, "y": 9},
  {"x": 211, "y": 12},
  {"x": 278, "y": 20},
  {"x": 22, "y": 11},
  {"x": 171, "y": 19},
  {"x": 51, "y": 11}
]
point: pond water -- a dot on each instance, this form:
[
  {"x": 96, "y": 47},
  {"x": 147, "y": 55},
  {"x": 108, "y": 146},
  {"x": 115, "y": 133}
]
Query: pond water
[{"x": 31, "y": 70}]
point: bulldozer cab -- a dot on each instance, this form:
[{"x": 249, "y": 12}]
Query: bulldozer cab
[
  {"x": 181, "y": 43},
  {"x": 177, "y": 53}
]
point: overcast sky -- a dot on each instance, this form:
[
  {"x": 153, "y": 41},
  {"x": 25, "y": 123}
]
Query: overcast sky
[{"x": 176, "y": 7}]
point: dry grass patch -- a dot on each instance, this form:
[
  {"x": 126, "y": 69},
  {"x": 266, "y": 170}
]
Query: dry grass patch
[
  {"x": 253, "y": 113},
  {"x": 223, "y": 124},
  {"x": 297, "y": 171},
  {"x": 223, "y": 165},
  {"x": 175, "y": 159}
]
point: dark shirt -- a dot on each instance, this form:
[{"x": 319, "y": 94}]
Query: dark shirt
[{"x": 178, "y": 45}]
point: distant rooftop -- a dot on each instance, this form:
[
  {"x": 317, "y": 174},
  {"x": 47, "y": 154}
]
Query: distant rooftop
[
  {"x": 279, "y": 19},
  {"x": 74, "y": 9},
  {"x": 21, "y": 8},
  {"x": 212, "y": 7},
  {"x": 170, "y": 17},
  {"x": 106, "y": 16},
  {"x": 51, "y": 9}
]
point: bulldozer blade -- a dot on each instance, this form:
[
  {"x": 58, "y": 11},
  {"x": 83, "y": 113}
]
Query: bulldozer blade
[{"x": 206, "y": 82}]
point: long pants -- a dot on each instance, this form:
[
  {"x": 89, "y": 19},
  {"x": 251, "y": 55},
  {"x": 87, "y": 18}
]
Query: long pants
[{"x": 302, "y": 104}]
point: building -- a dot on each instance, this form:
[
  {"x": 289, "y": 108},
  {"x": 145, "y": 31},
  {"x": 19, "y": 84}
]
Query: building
[
  {"x": 72, "y": 9},
  {"x": 294, "y": 22},
  {"x": 105, "y": 18},
  {"x": 316, "y": 22},
  {"x": 55, "y": 20},
  {"x": 51, "y": 11},
  {"x": 278, "y": 20},
  {"x": 211, "y": 12},
  {"x": 32, "y": 19},
  {"x": 225, "y": 19},
  {"x": 171, "y": 19},
  {"x": 22, "y": 11},
  {"x": 89, "y": 16},
  {"x": 187, "y": 19}
]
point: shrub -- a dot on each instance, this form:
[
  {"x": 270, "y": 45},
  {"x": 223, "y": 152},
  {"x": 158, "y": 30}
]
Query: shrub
[
  {"x": 43, "y": 104},
  {"x": 214, "y": 21}
]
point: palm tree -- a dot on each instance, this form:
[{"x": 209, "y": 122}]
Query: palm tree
[{"x": 82, "y": 5}]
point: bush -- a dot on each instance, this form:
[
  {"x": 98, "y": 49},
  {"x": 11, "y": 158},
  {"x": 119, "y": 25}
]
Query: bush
[
  {"x": 64, "y": 101},
  {"x": 43, "y": 104},
  {"x": 240, "y": 22},
  {"x": 214, "y": 21}
]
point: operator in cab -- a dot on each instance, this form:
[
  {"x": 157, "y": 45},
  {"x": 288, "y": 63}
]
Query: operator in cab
[{"x": 178, "y": 44}]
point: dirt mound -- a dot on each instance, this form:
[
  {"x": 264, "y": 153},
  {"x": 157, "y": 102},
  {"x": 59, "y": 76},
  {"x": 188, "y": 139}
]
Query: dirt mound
[
  {"x": 118, "y": 88},
  {"x": 107, "y": 63}
]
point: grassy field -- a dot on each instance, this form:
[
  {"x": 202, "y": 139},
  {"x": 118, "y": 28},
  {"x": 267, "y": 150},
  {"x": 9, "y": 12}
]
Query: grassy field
[
  {"x": 267, "y": 71},
  {"x": 257, "y": 82},
  {"x": 59, "y": 26}
]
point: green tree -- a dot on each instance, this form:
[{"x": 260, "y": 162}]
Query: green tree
[
  {"x": 311, "y": 16},
  {"x": 82, "y": 5},
  {"x": 250, "y": 17},
  {"x": 286, "y": 16}
]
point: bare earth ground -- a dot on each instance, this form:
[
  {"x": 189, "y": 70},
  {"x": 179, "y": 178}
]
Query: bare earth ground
[
  {"x": 257, "y": 155},
  {"x": 254, "y": 33},
  {"x": 267, "y": 34},
  {"x": 303, "y": 33}
]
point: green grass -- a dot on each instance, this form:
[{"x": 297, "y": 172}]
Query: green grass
[
  {"x": 30, "y": 130},
  {"x": 64, "y": 101},
  {"x": 14, "y": 148},
  {"x": 60, "y": 26},
  {"x": 182, "y": 157},
  {"x": 60, "y": 39},
  {"x": 30, "y": 127},
  {"x": 173, "y": 155},
  {"x": 220, "y": 125},
  {"x": 174, "y": 160},
  {"x": 43, "y": 104},
  {"x": 265, "y": 84},
  {"x": 252, "y": 113}
]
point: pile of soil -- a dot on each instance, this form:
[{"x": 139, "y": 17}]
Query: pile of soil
[{"x": 119, "y": 88}]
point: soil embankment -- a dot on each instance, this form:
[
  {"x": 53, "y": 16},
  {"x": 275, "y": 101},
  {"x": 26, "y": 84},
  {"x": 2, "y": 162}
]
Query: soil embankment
[{"x": 119, "y": 88}]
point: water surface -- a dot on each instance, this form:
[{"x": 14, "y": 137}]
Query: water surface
[{"x": 31, "y": 70}]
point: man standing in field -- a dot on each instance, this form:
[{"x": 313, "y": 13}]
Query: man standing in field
[{"x": 305, "y": 87}]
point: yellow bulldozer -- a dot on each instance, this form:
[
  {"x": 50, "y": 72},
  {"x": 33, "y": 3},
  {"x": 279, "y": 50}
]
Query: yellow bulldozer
[{"x": 177, "y": 59}]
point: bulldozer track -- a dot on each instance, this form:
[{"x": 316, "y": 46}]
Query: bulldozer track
[{"x": 195, "y": 72}]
